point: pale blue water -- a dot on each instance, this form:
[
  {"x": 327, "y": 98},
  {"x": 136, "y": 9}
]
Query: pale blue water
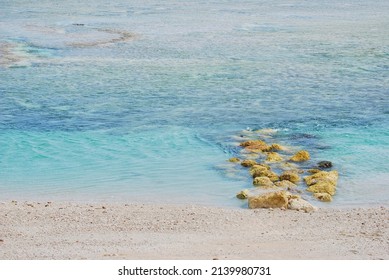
[{"x": 88, "y": 114}]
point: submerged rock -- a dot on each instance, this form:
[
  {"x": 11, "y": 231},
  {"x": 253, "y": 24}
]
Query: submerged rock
[
  {"x": 291, "y": 176},
  {"x": 263, "y": 182},
  {"x": 273, "y": 157},
  {"x": 243, "y": 194},
  {"x": 266, "y": 131},
  {"x": 248, "y": 163},
  {"x": 234, "y": 159},
  {"x": 286, "y": 165},
  {"x": 285, "y": 184},
  {"x": 324, "y": 164},
  {"x": 250, "y": 155},
  {"x": 313, "y": 171},
  {"x": 323, "y": 197},
  {"x": 301, "y": 156},
  {"x": 301, "y": 205},
  {"x": 269, "y": 200}
]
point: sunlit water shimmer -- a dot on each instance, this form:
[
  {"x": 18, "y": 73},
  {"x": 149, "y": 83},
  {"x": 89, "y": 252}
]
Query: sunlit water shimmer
[{"x": 141, "y": 100}]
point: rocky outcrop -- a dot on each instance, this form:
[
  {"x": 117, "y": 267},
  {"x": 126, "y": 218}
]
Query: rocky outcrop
[
  {"x": 264, "y": 158},
  {"x": 300, "y": 156}
]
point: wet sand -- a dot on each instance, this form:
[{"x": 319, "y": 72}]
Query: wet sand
[{"x": 58, "y": 230}]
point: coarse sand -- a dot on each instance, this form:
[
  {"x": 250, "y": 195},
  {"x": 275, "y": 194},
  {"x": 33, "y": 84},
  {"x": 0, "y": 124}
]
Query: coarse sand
[{"x": 61, "y": 230}]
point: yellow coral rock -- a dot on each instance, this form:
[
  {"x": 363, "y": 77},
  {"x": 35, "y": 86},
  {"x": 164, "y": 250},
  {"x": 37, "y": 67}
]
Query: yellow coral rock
[
  {"x": 266, "y": 173},
  {"x": 257, "y": 169},
  {"x": 243, "y": 194},
  {"x": 263, "y": 182},
  {"x": 272, "y": 176},
  {"x": 290, "y": 176},
  {"x": 300, "y": 156},
  {"x": 234, "y": 159},
  {"x": 255, "y": 145},
  {"x": 322, "y": 187},
  {"x": 273, "y": 157},
  {"x": 285, "y": 184},
  {"x": 323, "y": 197},
  {"x": 269, "y": 200},
  {"x": 277, "y": 147},
  {"x": 313, "y": 171},
  {"x": 322, "y": 176},
  {"x": 248, "y": 163}
]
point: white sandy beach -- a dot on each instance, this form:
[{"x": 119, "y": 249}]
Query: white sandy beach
[{"x": 58, "y": 230}]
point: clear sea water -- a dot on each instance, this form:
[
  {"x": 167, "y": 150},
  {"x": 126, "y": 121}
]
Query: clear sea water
[{"x": 140, "y": 100}]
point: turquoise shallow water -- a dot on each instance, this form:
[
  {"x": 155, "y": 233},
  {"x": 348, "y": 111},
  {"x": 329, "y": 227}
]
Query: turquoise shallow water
[{"x": 125, "y": 100}]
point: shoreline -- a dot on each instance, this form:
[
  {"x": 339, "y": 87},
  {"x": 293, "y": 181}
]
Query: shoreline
[{"x": 69, "y": 230}]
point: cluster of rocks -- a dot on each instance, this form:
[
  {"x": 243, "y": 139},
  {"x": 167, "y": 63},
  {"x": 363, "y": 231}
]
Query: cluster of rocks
[{"x": 279, "y": 190}]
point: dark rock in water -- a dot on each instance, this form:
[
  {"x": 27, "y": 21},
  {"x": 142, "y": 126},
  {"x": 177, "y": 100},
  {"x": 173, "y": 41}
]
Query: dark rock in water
[
  {"x": 322, "y": 147},
  {"x": 78, "y": 24},
  {"x": 324, "y": 164},
  {"x": 303, "y": 136}
]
